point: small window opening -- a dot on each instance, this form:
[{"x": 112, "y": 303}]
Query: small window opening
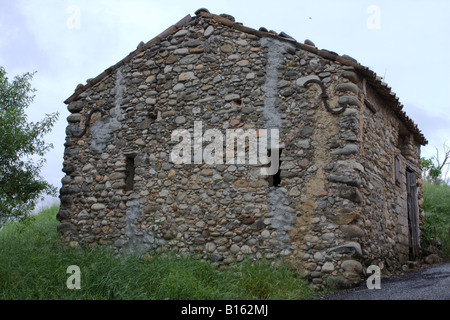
[
  {"x": 275, "y": 179},
  {"x": 398, "y": 170},
  {"x": 129, "y": 172}
]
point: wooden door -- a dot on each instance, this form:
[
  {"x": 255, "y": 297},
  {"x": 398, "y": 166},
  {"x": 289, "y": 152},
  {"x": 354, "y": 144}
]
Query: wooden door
[{"x": 413, "y": 216}]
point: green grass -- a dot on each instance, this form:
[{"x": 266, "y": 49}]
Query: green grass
[
  {"x": 437, "y": 215},
  {"x": 34, "y": 263}
]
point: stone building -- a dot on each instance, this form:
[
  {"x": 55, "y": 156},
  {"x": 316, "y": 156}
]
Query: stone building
[{"x": 347, "y": 193}]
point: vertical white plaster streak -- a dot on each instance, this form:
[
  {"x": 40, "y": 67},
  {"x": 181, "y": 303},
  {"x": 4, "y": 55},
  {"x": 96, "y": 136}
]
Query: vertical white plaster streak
[
  {"x": 275, "y": 58},
  {"x": 131, "y": 219},
  {"x": 279, "y": 202},
  {"x": 120, "y": 88},
  {"x": 102, "y": 130}
]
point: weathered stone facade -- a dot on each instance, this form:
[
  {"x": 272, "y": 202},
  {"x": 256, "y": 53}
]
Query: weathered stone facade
[{"x": 341, "y": 202}]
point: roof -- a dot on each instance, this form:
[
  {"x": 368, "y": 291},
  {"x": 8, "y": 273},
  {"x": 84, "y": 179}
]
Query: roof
[{"x": 375, "y": 81}]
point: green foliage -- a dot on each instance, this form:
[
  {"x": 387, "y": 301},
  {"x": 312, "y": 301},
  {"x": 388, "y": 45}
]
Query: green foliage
[
  {"x": 437, "y": 216},
  {"x": 33, "y": 265},
  {"x": 20, "y": 183},
  {"x": 430, "y": 170}
]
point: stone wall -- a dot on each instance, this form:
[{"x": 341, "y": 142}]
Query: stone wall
[
  {"x": 362, "y": 219},
  {"x": 335, "y": 208},
  {"x": 385, "y": 210}
]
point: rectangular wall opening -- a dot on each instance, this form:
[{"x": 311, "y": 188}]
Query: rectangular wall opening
[
  {"x": 275, "y": 179},
  {"x": 129, "y": 173}
]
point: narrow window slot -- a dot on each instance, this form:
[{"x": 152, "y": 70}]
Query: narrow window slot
[
  {"x": 129, "y": 172},
  {"x": 397, "y": 170},
  {"x": 275, "y": 179}
]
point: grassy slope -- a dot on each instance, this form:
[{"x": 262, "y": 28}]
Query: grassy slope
[
  {"x": 33, "y": 265},
  {"x": 437, "y": 215}
]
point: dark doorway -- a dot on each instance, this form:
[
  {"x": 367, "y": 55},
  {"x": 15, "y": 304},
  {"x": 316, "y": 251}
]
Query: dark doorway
[{"x": 413, "y": 216}]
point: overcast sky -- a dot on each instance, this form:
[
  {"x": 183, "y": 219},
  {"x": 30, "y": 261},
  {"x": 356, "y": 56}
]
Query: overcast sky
[{"x": 68, "y": 42}]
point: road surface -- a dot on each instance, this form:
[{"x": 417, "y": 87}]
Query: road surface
[{"x": 432, "y": 283}]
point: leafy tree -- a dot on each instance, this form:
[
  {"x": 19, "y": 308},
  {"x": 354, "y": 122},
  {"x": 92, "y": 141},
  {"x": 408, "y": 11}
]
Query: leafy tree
[
  {"x": 430, "y": 170},
  {"x": 433, "y": 168},
  {"x": 21, "y": 148}
]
